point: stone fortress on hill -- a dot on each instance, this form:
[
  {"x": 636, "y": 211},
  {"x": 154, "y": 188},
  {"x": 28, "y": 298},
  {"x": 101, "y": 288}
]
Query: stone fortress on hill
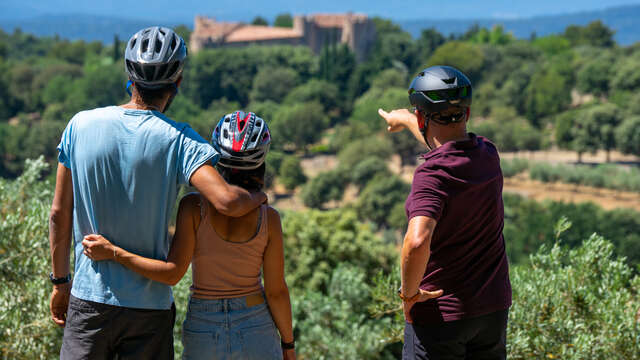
[{"x": 315, "y": 31}]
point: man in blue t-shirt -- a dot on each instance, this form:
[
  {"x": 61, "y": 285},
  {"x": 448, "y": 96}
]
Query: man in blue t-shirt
[{"x": 119, "y": 171}]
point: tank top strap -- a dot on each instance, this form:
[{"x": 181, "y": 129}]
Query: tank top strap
[
  {"x": 264, "y": 225},
  {"x": 204, "y": 209}
]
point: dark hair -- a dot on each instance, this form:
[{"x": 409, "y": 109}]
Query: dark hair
[
  {"x": 250, "y": 180},
  {"x": 152, "y": 95}
]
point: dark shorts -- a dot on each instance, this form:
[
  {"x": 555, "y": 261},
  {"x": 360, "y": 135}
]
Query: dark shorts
[
  {"x": 483, "y": 337},
  {"x": 99, "y": 331}
]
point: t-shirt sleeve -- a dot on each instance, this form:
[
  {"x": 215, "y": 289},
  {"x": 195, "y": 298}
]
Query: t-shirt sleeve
[
  {"x": 193, "y": 152},
  {"x": 428, "y": 195},
  {"x": 64, "y": 147}
]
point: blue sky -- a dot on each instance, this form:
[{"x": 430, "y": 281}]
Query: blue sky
[{"x": 183, "y": 10}]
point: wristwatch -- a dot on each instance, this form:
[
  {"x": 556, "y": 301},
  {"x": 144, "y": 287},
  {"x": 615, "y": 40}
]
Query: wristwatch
[
  {"x": 60, "y": 280},
  {"x": 404, "y": 298},
  {"x": 289, "y": 345}
]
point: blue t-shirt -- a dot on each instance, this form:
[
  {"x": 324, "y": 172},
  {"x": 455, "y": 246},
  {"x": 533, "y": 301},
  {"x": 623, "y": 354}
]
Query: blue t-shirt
[{"x": 126, "y": 166}]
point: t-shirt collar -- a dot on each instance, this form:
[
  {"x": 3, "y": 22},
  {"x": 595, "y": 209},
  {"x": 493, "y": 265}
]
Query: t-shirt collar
[{"x": 469, "y": 143}]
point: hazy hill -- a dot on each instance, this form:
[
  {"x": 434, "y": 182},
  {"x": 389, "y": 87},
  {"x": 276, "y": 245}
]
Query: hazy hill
[
  {"x": 76, "y": 26},
  {"x": 623, "y": 19}
]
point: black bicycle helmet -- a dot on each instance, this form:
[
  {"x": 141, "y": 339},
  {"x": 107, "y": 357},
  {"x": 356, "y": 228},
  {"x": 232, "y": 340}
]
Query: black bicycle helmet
[
  {"x": 155, "y": 57},
  {"x": 243, "y": 140},
  {"x": 440, "y": 88}
]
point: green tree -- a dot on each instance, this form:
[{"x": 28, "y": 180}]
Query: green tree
[
  {"x": 321, "y": 91},
  {"x": 259, "y": 20},
  {"x": 326, "y": 186},
  {"x": 290, "y": 173},
  {"x": 626, "y": 76},
  {"x": 595, "y": 75},
  {"x": 365, "y": 109},
  {"x": 464, "y": 56},
  {"x": 367, "y": 169},
  {"x": 379, "y": 197},
  {"x": 548, "y": 93},
  {"x": 273, "y": 83},
  {"x": 184, "y": 32},
  {"x": 283, "y": 20},
  {"x": 429, "y": 40},
  {"x": 299, "y": 125},
  {"x": 594, "y": 34},
  {"x": 628, "y": 136},
  {"x": 360, "y": 149},
  {"x": 552, "y": 44},
  {"x": 603, "y": 119}
]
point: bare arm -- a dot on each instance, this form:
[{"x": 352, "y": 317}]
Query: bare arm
[
  {"x": 228, "y": 199},
  {"x": 398, "y": 120},
  {"x": 168, "y": 272},
  {"x": 415, "y": 255},
  {"x": 60, "y": 225},
  {"x": 275, "y": 286}
]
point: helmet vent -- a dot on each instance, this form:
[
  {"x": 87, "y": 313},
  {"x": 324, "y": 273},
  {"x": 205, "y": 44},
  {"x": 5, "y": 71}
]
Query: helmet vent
[
  {"x": 174, "y": 43},
  {"x": 173, "y": 69},
  {"x": 449, "y": 81},
  {"x": 241, "y": 124},
  {"x": 254, "y": 138},
  {"x": 225, "y": 133},
  {"x": 145, "y": 45},
  {"x": 133, "y": 43},
  {"x": 226, "y": 119},
  {"x": 258, "y": 123},
  {"x": 158, "y": 46}
]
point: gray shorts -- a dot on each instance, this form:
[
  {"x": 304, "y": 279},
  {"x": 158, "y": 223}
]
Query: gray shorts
[{"x": 99, "y": 331}]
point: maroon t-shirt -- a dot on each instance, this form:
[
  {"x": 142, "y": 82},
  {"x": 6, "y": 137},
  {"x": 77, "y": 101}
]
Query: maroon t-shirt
[{"x": 460, "y": 186}]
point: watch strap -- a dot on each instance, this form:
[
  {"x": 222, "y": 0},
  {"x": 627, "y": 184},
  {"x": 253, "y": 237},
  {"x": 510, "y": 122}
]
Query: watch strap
[
  {"x": 60, "y": 280},
  {"x": 289, "y": 345}
]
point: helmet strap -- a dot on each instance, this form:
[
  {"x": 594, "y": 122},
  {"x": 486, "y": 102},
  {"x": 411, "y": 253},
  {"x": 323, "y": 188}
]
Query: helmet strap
[
  {"x": 129, "y": 83},
  {"x": 171, "y": 97}
]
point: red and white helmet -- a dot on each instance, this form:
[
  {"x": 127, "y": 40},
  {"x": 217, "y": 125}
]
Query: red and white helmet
[{"x": 242, "y": 139}]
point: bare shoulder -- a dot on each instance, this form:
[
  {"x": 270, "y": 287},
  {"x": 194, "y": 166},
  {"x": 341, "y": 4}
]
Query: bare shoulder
[
  {"x": 272, "y": 214},
  {"x": 273, "y": 218}
]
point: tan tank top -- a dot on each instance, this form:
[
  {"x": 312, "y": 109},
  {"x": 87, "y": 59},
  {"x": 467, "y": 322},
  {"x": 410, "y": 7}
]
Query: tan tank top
[{"x": 224, "y": 269}]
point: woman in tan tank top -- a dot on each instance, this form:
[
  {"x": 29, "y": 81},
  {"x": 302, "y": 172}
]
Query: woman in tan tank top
[{"x": 227, "y": 317}]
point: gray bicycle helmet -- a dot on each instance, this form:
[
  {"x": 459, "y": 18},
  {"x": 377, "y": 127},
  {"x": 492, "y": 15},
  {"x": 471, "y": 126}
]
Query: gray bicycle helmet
[
  {"x": 243, "y": 140},
  {"x": 155, "y": 57},
  {"x": 440, "y": 88}
]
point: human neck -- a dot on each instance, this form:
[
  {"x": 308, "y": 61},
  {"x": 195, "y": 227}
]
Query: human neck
[
  {"x": 439, "y": 135},
  {"x": 137, "y": 103}
]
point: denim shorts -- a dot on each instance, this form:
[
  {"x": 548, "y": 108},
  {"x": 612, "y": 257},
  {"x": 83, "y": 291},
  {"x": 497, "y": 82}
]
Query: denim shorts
[{"x": 228, "y": 329}]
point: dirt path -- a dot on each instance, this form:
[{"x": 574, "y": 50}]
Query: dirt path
[
  {"x": 521, "y": 184},
  {"x": 606, "y": 198},
  {"x": 558, "y": 156}
]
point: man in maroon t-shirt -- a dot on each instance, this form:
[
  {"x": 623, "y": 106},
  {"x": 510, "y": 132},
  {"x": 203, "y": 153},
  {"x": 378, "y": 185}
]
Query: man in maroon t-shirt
[{"x": 455, "y": 277}]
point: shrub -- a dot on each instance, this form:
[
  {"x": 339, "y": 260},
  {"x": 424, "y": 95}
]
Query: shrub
[
  {"x": 324, "y": 187},
  {"x": 380, "y": 196},
  {"x": 567, "y": 304},
  {"x": 367, "y": 169},
  {"x": 513, "y": 167},
  {"x": 291, "y": 174}
]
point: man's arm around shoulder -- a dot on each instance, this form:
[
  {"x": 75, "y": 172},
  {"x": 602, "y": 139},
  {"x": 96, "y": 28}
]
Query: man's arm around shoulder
[{"x": 228, "y": 199}]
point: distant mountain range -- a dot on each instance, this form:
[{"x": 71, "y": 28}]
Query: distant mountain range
[{"x": 625, "y": 20}]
